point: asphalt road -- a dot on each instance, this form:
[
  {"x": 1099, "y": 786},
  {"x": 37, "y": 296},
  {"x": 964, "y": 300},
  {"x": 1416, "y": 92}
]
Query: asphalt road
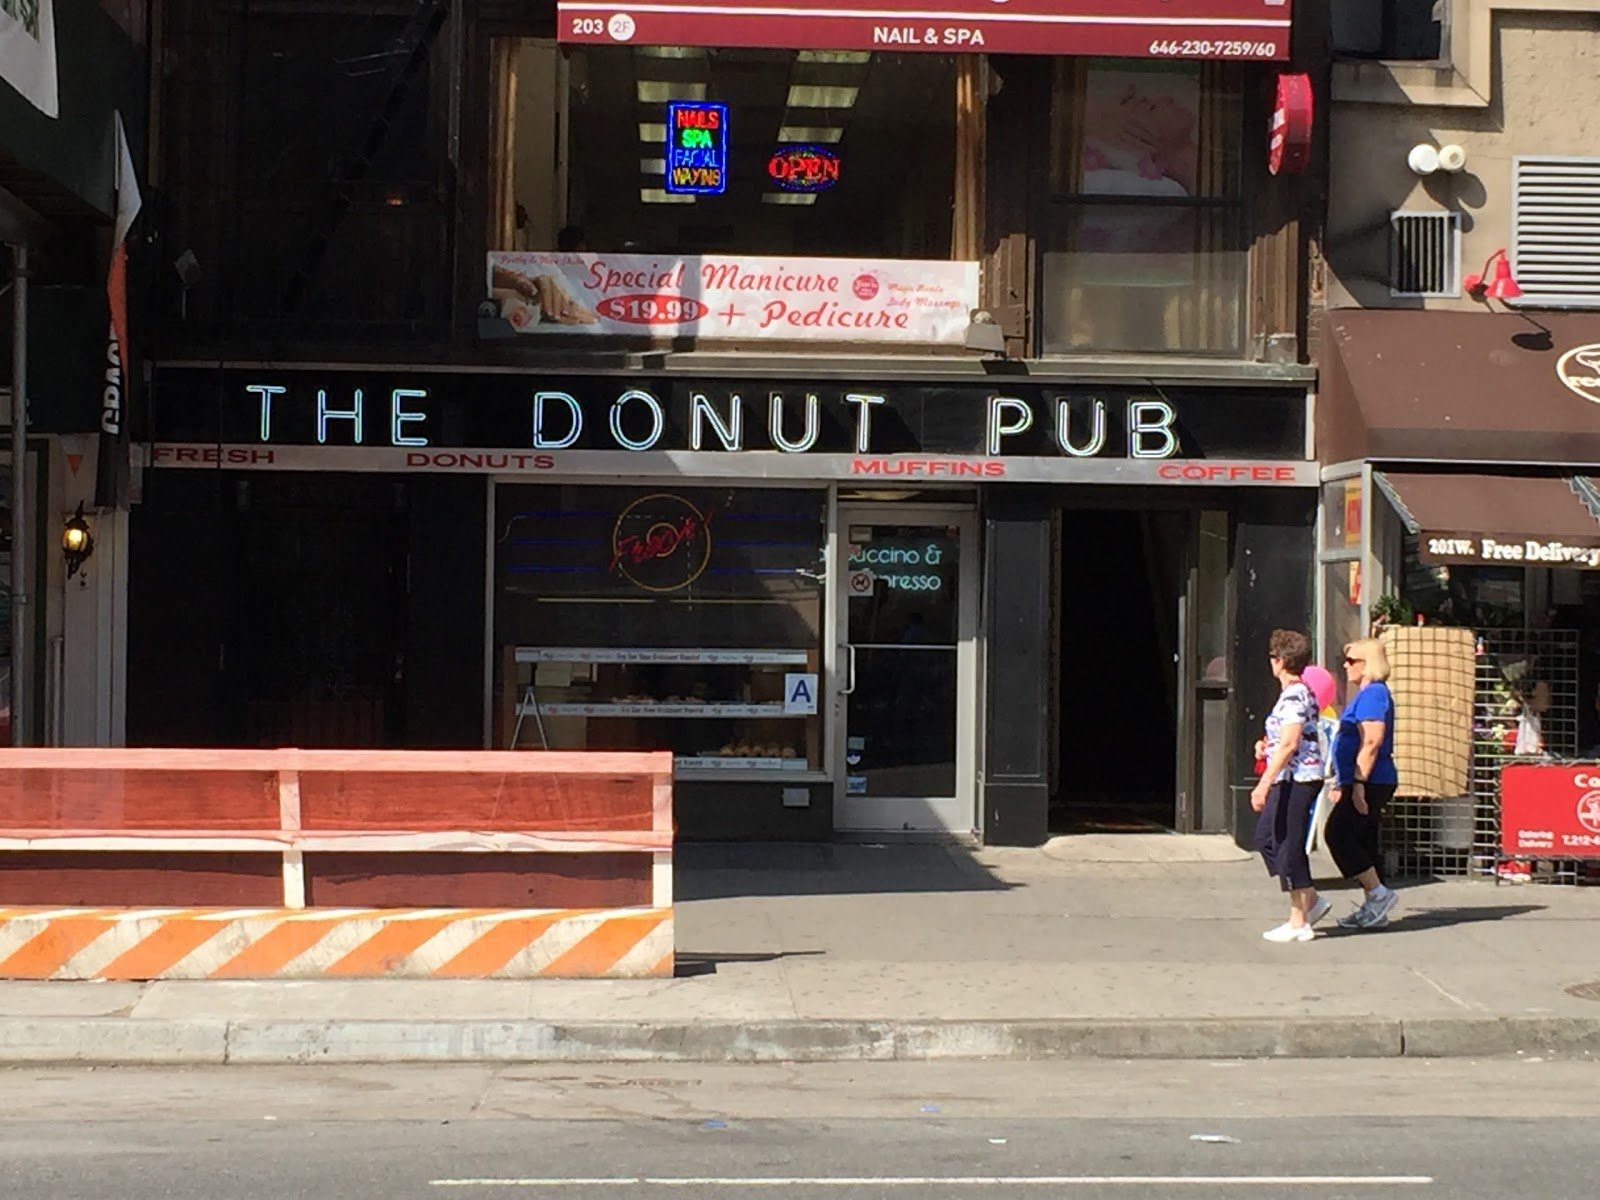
[{"x": 965, "y": 1130}]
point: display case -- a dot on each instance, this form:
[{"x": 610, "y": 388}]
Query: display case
[
  {"x": 717, "y": 710},
  {"x": 636, "y": 618}
]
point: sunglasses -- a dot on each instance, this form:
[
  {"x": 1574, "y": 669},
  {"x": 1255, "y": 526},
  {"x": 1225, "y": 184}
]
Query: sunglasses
[{"x": 1353, "y": 662}]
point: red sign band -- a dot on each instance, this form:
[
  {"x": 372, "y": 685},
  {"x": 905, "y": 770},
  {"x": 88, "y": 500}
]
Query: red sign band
[{"x": 1197, "y": 29}]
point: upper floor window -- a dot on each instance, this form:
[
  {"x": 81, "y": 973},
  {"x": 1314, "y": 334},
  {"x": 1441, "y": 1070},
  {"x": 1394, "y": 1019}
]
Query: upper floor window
[
  {"x": 1145, "y": 247},
  {"x": 1555, "y": 230},
  {"x": 820, "y": 153},
  {"x": 1399, "y": 30},
  {"x": 339, "y": 207}
]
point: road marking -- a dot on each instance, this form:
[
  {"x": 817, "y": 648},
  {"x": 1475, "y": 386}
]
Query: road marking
[
  {"x": 862, "y": 1181},
  {"x": 532, "y": 1183}
]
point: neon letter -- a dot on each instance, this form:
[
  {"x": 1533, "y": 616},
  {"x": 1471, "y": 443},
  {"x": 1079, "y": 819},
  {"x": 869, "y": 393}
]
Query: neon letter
[
  {"x": 266, "y": 391},
  {"x": 326, "y": 414},
  {"x": 400, "y": 418},
  {"x": 658, "y": 418},
  {"x": 864, "y": 406},
  {"x": 574, "y": 427},
  {"x": 813, "y": 425}
]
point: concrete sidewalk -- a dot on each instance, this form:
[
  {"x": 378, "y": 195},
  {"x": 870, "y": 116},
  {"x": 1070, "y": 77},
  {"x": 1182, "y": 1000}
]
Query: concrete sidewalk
[{"x": 1122, "y": 946}]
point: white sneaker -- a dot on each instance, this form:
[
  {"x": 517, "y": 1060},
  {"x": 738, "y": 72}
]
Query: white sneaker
[
  {"x": 1290, "y": 933},
  {"x": 1374, "y": 914},
  {"x": 1320, "y": 909}
]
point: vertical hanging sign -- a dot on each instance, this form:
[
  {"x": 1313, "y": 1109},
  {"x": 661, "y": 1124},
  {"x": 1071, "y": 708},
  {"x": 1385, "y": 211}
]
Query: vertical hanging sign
[
  {"x": 697, "y": 148},
  {"x": 111, "y": 463}
]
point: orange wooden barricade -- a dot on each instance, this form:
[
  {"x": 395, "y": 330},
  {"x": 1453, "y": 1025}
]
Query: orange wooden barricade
[{"x": 517, "y": 851}]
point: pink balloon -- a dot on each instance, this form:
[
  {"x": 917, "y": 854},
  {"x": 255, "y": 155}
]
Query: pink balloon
[{"x": 1321, "y": 684}]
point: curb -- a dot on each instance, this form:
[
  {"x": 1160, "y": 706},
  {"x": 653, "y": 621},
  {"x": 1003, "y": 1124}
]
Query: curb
[{"x": 135, "y": 1042}]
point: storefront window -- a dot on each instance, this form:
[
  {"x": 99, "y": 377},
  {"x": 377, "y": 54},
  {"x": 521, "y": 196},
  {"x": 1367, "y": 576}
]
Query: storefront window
[
  {"x": 1341, "y": 611},
  {"x": 327, "y": 240},
  {"x": 644, "y": 618},
  {"x": 1145, "y": 249},
  {"x": 1482, "y": 597},
  {"x": 822, "y": 153},
  {"x": 1341, "y": 514}
]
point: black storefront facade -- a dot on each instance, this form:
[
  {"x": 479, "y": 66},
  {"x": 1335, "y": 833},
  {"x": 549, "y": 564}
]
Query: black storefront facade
[{"x": 938, "y": 607}]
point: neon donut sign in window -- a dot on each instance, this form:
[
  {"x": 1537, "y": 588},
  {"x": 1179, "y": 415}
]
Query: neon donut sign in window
[{"x": 804, "y": 168}]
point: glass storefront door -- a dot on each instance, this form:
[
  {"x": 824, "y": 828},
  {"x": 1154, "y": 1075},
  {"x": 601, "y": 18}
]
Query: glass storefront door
[{"x": 906, "y": 702}]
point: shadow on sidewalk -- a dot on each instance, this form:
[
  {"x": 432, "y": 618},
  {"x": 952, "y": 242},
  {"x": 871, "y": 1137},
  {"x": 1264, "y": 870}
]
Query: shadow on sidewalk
[
  {"x": 689, "y": 965},
  {"x": 1416, "y": 920},
  {"x": 718, "y": 870}
]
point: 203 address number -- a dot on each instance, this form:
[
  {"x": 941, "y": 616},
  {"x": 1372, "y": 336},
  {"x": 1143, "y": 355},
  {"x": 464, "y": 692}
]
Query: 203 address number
[{"x": 1201, "y": 48}]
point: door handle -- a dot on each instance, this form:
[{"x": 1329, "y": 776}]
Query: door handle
[{"x": 850, "y": 659}]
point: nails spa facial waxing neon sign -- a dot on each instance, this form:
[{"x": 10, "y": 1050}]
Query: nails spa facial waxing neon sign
[{"x": 697, "y": 148}]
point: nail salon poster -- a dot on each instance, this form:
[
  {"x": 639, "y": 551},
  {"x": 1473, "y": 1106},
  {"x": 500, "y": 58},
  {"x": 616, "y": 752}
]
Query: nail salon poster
[
  {"x": 734, "y": 298},
  {"x": 28, "y": 52},
  {"x": 1141, "y": 139}
]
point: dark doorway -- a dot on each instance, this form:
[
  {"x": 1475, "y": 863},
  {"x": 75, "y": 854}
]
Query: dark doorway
[
  {"x": 1118, "y": 698},
  {"x": 315, "y": 652},
  {"x": 268, "y": 610},
  {"x": 306, "y": 609}
]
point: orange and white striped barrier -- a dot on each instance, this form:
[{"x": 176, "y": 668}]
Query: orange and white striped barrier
[
  {"x": 279, "y": 943},
  {"x": 338, "y": 846}
]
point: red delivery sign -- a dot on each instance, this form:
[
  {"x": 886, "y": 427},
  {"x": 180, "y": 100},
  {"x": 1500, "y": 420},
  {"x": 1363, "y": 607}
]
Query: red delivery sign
[
  {"x": 1195, "y": 29},
  {"x": 1549, "y": 811}
]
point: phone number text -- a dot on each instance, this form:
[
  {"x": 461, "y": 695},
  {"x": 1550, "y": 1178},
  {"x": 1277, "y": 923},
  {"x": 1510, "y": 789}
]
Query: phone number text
[{"x": 1201, "y": 48}]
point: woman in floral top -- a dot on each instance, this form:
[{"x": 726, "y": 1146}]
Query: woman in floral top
[{"x": 1287, "y": 793}]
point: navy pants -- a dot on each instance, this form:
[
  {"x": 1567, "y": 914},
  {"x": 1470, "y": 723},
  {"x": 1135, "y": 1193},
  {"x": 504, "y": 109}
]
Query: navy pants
[{"x": 1281, "y": 832}]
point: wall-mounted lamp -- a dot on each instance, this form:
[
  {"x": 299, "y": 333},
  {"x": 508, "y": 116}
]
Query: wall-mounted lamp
[
  {"x": 1500, "y": 287},
  {"x": 77, "y": 541}
]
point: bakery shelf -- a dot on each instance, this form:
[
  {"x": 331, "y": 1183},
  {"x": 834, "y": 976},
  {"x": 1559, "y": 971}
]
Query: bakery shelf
[
  {"x": 647, "y": 655},
  {"x": 728, "y": 762},
  {"x": 626, "y": 709}
]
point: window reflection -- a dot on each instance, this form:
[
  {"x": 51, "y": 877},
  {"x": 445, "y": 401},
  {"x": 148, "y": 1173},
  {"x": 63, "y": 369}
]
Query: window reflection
[{"x": 580, "y": 139}]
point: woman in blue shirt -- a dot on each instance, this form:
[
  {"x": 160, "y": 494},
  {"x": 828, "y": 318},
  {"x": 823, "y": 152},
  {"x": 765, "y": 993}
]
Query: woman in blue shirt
[{"x": 1364, "y": 781}]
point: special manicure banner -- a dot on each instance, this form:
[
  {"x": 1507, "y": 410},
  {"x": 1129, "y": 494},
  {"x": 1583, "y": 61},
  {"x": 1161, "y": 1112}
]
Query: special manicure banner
[{"x": 892, "y": 300}]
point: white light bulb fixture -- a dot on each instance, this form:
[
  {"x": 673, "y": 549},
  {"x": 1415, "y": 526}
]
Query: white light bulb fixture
[
  {"x": 1423, "y": 159},
  {"x": 1452, "y": 158}
]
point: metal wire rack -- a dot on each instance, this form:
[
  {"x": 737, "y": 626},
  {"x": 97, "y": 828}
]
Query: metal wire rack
[{"x": 1523, "y": 680}]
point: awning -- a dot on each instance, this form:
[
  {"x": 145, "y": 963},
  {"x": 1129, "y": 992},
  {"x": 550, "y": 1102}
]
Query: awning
[
  {"x": 1512, "y": 520},
  {"x": 1460, "y": 387}
]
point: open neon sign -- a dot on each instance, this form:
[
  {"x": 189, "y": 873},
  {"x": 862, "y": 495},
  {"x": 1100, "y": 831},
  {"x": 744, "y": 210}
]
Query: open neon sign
[
  {"x": 697, "y": 148},
  {"x": 804, "y": 168}
]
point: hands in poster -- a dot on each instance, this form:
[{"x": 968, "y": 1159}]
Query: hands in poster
[{"x": 525, "y": 300}]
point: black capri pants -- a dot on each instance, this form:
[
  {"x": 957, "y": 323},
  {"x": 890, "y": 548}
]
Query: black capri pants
[
  {"x": 1352, "y": 837},
  {"x": 1281, "y": 832}
]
